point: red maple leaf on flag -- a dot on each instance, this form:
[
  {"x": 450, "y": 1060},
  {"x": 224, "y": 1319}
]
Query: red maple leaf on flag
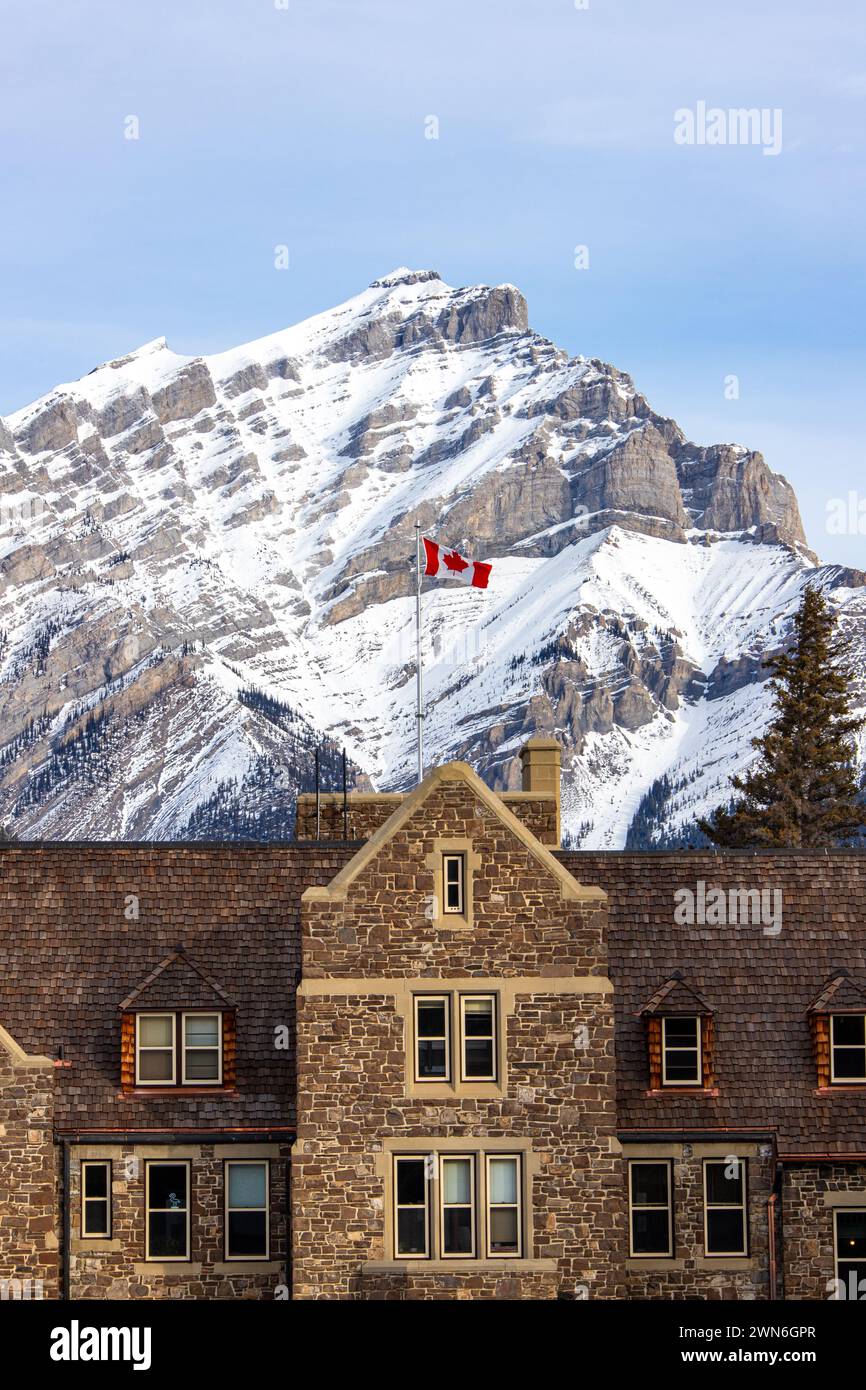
[{"x": 455, "y": 561}]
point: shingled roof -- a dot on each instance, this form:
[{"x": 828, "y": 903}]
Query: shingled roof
[
  {"x": 176, "y": 983},
  {"x": 85, "y": 927},
  {"x": 675, "y": 996},
  {"x": 839, "y": 994},
  {"x": 761, "y": 986},
  {"x": 72, "y": 952}
]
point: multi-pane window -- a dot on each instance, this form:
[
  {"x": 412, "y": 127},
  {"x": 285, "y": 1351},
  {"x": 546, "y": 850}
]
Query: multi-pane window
[
  {"x": 202, "y": 1037},
  {"x": 477, "y": 1051},
  {"x": 167, "y": 1214},
  {"x": 411, "y": 1208},
  {"x": 155, "y": 1050},
  {"x": 195, "y": 1037},
  {"x": 457, "y": 1205},
  {"x": 504, "y": 1235},
  {"x": 432, "y": 1037},
  {"x": 850, "y": 1233},
  {"x": 246, "y": 1209},
  {"x": 477, "y": 1198},
  {"x": 848, "y": 1048},
  {"x": 454, "y": 883},
  {"x": 95, "y": 1198},
  {"x": 478, "y": 1037},
  {"x": 650, "y": 1208},
  {"x": 681, "y": 1051},
  {"x": 725, "y": 1225}
]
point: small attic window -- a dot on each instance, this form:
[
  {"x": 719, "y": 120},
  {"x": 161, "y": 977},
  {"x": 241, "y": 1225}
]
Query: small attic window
[{"x": 454, "y": 884}]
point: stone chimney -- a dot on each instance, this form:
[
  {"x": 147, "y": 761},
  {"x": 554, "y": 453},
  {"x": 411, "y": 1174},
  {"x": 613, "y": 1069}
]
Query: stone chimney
[{"x": 541, "y": 762}]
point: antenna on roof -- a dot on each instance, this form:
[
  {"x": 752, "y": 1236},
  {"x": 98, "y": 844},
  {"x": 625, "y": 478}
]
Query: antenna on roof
[
  {"x": 345, "y": 801},
  {"x": 318, "y": 799}
]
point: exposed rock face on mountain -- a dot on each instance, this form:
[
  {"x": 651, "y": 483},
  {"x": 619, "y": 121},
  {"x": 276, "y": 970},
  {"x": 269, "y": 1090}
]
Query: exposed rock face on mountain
[{"x": 189, "y": 546}]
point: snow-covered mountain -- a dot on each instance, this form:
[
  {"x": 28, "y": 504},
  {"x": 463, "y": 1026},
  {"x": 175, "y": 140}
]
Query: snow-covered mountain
[{"x": 206, "y": 563}]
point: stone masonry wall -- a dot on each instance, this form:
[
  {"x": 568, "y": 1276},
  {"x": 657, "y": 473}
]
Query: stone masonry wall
[
  {"x": 691, "y": 1274},
  {"x": 355, "y": 1100},
  {"x": 29, "y": 1208},
  {"x": 414, "y": 1285},
  {"x": 810, "y": 1192},
  {"x": 367, "y": 811},
  {"x": 116, "y": 1268},
  {"x": 537, "y": 813},
  {"x": 352, "y": 1059},
  {"x": 522, "y": 925}
]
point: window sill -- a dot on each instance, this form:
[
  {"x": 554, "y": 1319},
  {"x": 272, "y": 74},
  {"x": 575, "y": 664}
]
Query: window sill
[
  {"x": 438, "y": 1091},
  {"x": 136, "y": 1092},
  {"x": 656, "y": 1264},
  {"x": 843, "y": 1089},
  {"x": 509, "y": 1266},
  {"x": 248, "y": 1267},
  {"x": 186, "y": 1269},
  {"x": 709, "y": 1091},
  {"x": 93, "y": 1245},
  {"x": 731, "y": 1263}
]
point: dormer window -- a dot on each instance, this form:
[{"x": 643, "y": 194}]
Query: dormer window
[
  {"x": 679, "y": 1034},
  {"x": 847, "y": 1049},
  {"x": 837, "y": 1020},
  {"x": 178, "y": 1028},
  {"x": 178, "y": 1048},
  {"x": 681, "y": 1051}
]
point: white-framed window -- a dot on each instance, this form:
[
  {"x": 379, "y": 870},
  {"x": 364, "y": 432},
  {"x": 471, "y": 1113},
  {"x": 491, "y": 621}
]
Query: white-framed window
[
  {"x": 95, "y": 1199},
  {"x": 650, "y": 1202},
  {"x": 681, "y": 1051},
  {"x": 247, "y": 1219},
  {"x": 460, "y": 1206},
  {"x": 202, "y": 1049},
  {"x": 504, "y": 1223},
  {"x": 725, "y": 1206},
  {"x": 457, "y": 1220},
  {"x": 159, "y": 1037},
  {"x": 167, "y": 1209},
  {"x": 432, "y": 1037},
  {"x": 849, "y": 1243},
  {"x": 478, "y": 1037},
  {"x": 454, "y": 884},
  {"x": 411, "y": 1207},
  {"x": 155, "y": 1061},
  {"x": 847, "y": 1049}
]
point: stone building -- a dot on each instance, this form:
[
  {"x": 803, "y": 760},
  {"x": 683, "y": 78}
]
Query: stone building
[{"x": 423, "y": 1052}]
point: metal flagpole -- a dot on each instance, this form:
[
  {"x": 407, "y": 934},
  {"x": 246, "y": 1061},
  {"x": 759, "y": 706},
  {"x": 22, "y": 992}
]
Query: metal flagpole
[{"x": 419, "y": 679}]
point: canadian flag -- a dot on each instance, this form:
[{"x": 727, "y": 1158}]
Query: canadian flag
[{"x": 450, "y": 564}]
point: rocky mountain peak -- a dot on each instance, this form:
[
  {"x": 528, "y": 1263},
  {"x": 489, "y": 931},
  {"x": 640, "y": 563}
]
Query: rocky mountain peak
[
  {"x": 404, "y": 276},
  {"x": 183, "y": 531}
]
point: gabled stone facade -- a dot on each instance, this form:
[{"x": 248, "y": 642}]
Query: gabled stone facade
[{"x": 535, "y": 940}]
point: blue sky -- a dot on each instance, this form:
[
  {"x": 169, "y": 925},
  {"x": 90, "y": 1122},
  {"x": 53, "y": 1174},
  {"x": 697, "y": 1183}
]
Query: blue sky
[{"x": 304, "y": 126}]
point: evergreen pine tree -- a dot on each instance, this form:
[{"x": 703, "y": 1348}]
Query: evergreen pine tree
[{"x": 802, "y": 791}]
